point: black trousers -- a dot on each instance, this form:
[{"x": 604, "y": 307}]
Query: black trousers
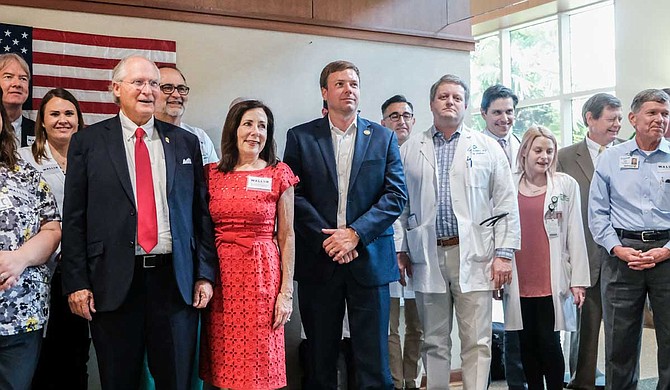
[
  {"x": 153, "y": 317},
  {"x": 541, "y": 352},
  {"x": 64, "y": 355}
]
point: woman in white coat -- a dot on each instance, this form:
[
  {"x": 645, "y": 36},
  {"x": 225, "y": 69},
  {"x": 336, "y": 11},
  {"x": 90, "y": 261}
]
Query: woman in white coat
[{"x": 552, "y": 265}]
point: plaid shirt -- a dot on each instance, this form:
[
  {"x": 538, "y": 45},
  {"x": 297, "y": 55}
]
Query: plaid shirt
[{"x": 446, "y": 224}]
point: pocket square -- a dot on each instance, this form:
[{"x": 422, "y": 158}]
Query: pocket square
[{"x": 186, "y": 161}]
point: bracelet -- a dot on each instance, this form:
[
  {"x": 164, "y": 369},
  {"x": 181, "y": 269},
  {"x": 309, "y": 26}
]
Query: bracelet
[{"x": 287, "y": 295}]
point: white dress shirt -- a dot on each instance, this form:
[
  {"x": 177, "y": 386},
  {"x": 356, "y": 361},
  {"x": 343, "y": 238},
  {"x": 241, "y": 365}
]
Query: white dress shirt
[
  {"x": 343, "y": 146},
  {"x": 158, "y": 173},
  {"x": 594, "y": 149}
]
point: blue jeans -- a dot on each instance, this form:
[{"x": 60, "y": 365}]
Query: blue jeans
[{"x": 18, "y": 359}]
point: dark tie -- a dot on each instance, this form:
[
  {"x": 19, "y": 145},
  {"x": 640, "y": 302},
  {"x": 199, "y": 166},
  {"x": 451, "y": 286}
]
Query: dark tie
[{"x": 147, "y": 225}]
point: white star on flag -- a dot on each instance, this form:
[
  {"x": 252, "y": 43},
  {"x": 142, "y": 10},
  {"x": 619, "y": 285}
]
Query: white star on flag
[
  {"x": 15, "y": 42},
  {"x": 8, "y": 33},
  {"x": 24, "y": 35}
]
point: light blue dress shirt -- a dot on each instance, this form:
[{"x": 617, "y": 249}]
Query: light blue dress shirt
[{"x": 634, "y": 199}]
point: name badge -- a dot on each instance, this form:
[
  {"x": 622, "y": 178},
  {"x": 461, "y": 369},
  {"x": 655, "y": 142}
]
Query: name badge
[
  {"x": 21, "y": 194},
  {"x": 551, "y": 226},
  {"x": 259, "y": 183},
  {"x": 628, "y": 162},
  {"x": 663, "y": 167},
  {"x": 5, "y": 202}
]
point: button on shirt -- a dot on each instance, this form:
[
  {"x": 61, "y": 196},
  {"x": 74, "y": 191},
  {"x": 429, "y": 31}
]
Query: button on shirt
[
  {"x": 629, "y": 198},
  {"x": 158, "y": 173},
  {"x": 446, "y": 224},
  {"x": 343, "y": 146}
]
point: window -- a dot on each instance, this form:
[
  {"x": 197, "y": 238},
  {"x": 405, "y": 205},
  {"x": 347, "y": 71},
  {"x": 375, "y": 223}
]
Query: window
[{"x": 553, "y": 64}]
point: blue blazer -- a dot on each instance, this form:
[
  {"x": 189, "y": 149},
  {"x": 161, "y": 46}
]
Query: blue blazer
[
  {"x": 100, "y": 215},
  {"x": 376, "y": 197}
]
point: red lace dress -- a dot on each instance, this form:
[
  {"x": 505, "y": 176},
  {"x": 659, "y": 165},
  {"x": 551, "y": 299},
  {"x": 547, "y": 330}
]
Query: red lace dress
[{"x": 239, "y": 349}]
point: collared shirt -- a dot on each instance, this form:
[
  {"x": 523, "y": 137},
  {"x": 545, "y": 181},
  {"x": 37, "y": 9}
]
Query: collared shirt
[
  {"x": 446, "y": 224},
  {"x": 343, "y": 146},
  {"x": 26, "y": 203},
  {"x": 594, "y": 149},
  {"x": 206, "y": 145},
  {"x": 506, "y": 141},
  {"x": 158, "y": 173},
  {"x": 17, "y": 130},
  {"x": 634, "y": 199}
]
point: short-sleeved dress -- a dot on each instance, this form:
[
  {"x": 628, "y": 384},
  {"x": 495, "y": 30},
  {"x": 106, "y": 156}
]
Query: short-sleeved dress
[{"x": 239, "y": 347}]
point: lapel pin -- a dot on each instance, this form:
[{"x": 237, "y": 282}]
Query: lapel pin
[
  {"x": 366, "y": 132},
  {"x": 167, "y": 139}
]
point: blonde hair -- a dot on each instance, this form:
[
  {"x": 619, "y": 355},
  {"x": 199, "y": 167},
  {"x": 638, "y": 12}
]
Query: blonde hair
[{"x": 529, "y": 136}]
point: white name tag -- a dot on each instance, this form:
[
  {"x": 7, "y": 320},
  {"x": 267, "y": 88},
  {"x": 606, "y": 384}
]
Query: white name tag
[
  {"x": 259, "y": 183},
  {"x": 628, "y": 162},
  {"x": 663, "y": 167},
  {"x": 552, "y": 226}
]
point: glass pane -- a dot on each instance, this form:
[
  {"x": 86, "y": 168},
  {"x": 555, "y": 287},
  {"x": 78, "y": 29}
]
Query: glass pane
[
  {"x": 478, "y": 123},
  {"x": 592, "y": 49},
  {"x": 484, "y": 68},
  {"x": 534, "y": 57},
  {"x": 579, "y": 128},
  {"x": 547, "y": 115}
]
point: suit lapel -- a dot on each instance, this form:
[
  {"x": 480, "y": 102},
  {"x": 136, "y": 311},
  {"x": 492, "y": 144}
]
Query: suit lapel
[
  {"x": 325, "y": 142},
  {"x": 164, "y": 133},
  {"x": 363, "y": 134},
  {"x": 584, "y": 161},
  {"x": 427, "y": 149},
  {"x": 117, "y": 155}
]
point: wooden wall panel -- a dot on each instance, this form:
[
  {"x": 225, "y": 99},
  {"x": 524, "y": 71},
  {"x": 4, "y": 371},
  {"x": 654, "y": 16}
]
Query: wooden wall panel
[{"x": 415, "y": 22}]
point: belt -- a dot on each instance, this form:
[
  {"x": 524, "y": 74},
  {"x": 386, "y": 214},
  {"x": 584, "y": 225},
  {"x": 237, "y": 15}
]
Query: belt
[
  {"x": 153, "y": 261},
  {"x": 449, "y": 241},
  {"x": 644, "y": 236}
]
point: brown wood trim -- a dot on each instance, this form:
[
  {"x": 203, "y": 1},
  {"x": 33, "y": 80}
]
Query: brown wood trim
[
  {"x": 456, "y": 376},
  {"x": 442, "y": 41}
]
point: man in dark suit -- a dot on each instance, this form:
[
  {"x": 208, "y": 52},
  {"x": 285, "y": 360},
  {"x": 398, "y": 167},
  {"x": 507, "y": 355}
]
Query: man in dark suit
[
  {"x": 139, "y": 255},
  {"x": 15, "y": 84},
  {"x": 602, "y": 114},
  {"x": 351, "y": 190}
]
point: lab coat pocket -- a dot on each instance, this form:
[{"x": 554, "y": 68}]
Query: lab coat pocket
[
  {"x": 422, "y": 243},
  {"x": 477, "y": 175}
]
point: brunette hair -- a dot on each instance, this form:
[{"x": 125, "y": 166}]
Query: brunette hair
[
  {"x": 229, "y": 151},
  {"x": 8, "y": 155},
  {"x": 38, "y": 149}
]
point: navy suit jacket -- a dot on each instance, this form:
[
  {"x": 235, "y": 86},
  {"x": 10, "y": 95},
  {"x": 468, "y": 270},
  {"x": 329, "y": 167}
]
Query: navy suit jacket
[
  {"x": 100, "y": 215},
  {"x": 27, "y": 129},
  {"x": 376, "y": 197}
]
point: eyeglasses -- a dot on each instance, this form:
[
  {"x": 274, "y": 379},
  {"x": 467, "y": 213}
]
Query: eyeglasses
[
  {"x": 169, "y": 88},
  {"x": 396, "y": 117},
  {"x": 139, "y": 84}
]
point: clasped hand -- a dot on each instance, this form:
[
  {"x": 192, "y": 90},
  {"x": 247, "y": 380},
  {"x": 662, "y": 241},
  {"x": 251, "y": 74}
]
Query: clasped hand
[
  {"x": 341, "y": 245},
  {"x": 638, "y": 260}
]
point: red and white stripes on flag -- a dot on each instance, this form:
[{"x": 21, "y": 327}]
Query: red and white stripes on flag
[{"x": 83, "y": 63}]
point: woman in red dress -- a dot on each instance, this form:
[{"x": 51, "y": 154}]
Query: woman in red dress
[{"x": 250, "y": 193}]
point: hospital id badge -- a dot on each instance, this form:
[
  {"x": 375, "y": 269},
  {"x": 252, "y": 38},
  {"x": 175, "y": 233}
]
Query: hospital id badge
[
  {"x": 628, "y": 162},
  {"x": 551, "y": 225},
  {"x": 259, "y": 183}
]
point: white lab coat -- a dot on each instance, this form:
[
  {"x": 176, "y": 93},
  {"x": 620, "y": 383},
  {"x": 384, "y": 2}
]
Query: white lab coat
[
  {"x": 481, "y": 187},
  {"x": 568, "y": 258}
]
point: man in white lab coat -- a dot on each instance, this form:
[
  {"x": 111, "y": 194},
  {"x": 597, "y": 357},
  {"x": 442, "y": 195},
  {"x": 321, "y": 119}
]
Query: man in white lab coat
[{"x": 459, "y": 232}]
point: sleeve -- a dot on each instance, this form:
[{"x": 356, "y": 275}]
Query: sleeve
[
  {"x": 285, "y": 177},
  {"x": 207, "y": 261},
  {"x": 578, "y": 255},
  {"x": 46, "y": 203},
  {"x": 599, "y": 208}
]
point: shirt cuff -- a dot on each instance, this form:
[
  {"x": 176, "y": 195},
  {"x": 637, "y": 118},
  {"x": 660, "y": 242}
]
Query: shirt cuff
[{"x": 505, "y": 253}]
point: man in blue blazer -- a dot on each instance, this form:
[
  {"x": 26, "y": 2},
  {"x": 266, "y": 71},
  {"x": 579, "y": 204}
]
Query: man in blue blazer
[
  {"x": 139, "y": 257},
  {"x": 351, "y": 190}
]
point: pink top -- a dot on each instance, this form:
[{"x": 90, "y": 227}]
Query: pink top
[{"x": 532, "y": 261}]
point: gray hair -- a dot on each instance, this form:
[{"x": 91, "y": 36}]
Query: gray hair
[
  {"x": 597, "y": 103},
  {"x": 119, "y": 73},
  {"x": 648, "y": 95},
  {"x": 450, "y": 79}
]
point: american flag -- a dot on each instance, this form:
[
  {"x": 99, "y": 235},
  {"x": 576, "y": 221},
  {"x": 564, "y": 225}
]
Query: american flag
[{"x": 80, "y": 63}]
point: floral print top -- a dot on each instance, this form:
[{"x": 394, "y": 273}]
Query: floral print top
[{"x": 26, "y": 202}]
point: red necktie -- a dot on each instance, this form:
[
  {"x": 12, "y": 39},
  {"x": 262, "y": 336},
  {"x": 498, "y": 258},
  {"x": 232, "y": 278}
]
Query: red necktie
[{"x": 147, "y": 225}]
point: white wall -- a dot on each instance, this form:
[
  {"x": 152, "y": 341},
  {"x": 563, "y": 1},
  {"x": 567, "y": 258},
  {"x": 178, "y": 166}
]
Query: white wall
[
  {"x": 642, "y": 55},
  {"x": 222, "y": 63}
]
